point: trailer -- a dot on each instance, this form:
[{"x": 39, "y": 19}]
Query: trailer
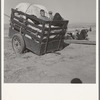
[{"x": 40, "y": 38}]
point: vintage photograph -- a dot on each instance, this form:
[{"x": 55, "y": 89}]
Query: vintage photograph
[{"x": 50, "y": 41}]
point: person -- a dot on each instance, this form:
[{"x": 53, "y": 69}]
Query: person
[
  {"x": 51, "y": 15},
  {"x": 42, "y": 15},
  {"x": 58, "y": 17}
]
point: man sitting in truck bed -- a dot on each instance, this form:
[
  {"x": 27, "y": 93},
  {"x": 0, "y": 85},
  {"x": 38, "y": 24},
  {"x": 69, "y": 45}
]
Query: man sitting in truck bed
[{"x": 42, "y": 15}]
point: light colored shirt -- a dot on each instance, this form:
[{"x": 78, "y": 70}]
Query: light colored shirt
[
  {"x": 51, "y": 17},
  {"x": 44, "y": 18}
]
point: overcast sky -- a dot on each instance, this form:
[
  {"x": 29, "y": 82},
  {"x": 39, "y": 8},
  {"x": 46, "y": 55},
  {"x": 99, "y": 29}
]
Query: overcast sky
[{"x": 76, "y": 11}]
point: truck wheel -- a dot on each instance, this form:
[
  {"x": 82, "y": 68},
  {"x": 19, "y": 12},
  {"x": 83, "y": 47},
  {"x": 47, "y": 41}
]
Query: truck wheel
[{"x": 18, "y": 43}]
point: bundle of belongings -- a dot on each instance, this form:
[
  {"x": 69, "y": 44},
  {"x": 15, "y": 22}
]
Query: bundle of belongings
[{"x": 40, "y": 12}]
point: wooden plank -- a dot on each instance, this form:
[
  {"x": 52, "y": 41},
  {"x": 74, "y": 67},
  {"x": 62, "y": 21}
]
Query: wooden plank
[
  {"x": 55, "y": 28},
  {"x": 64, "y": 21},
  {"x": 51, "y": 39},
  {"x": 61, "y": 36},
  {"x": 47, "y": 38},
  {"x": 19, "y": 18},
  {"x": 33, "y": 25},
  {"x": 86, "y": 42},
  {"x": 33, "y": 30},
  {"x": 16, "y": 27},
  {"x": 17, "y": 23},
  {"x": 32, "y": 17},
  {"x": 33, "y": 36},
  {"x": 51, "y": 34}
]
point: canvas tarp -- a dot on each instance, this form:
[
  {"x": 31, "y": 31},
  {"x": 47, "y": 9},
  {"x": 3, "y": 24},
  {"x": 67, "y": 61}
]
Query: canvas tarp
[{"x": 31, "y": 9}]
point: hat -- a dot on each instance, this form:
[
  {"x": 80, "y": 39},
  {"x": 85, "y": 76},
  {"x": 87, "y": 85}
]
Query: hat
[
  {"x": 50, "y": 12},
  {"x": 42, "y": 10}
]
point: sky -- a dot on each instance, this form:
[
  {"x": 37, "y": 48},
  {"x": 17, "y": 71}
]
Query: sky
[{"x": 76, "y": 11}]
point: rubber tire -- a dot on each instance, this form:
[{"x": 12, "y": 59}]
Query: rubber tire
[{"x": 18, "y": 43}]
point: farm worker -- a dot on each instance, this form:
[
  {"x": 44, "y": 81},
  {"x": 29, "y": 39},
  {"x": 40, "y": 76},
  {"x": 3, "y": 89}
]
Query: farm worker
[
  {"x": 57, "y": 17},
  {"x": 42, "y": 15},
  {"x": 50, "y": 15}
]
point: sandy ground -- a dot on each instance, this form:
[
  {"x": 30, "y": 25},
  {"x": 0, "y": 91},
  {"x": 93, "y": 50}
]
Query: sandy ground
[{"x": 75, "y": 60}]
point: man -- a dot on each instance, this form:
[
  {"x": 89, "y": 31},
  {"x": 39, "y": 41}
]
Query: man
[
  {"x": 42, "y": 15},
  {"x": 51, "y": 16}
]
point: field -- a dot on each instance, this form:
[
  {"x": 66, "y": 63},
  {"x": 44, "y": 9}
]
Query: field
[{"x": 74, "y": 61}]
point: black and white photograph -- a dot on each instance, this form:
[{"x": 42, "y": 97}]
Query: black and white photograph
[{"x": 50, "y": 41}]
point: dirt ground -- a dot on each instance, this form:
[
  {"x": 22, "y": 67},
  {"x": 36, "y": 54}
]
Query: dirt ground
[{"x": 75, "y": 60}]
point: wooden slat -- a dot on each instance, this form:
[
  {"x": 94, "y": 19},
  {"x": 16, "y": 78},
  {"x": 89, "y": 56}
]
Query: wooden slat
[
  {"x": 46, "y": 46},
  {"x": 64, "y": 21},
  {"x": 16, "y": 27},
  {"x": 34, "y": 31},
  {"x": 27, "y": 28},
  {"x": 61, "y": 36},
  {"x": 33, "y": 36},
  {"x": 33, "y": 25},
  {"x": 21, "y": 25},
  {"x": 52, "y": 39},
  {"x": 17, "y": 23},
  {"x": 55, "y": 33},
  {"x": 56, "y": 28},
  {"x": 52, "y": 34},
  {"x": 32, "y": 17},
  {"x": 31, "y": 30},
  {"x": 86, "y": 42},
  {"x": 18, "y": 18}
]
